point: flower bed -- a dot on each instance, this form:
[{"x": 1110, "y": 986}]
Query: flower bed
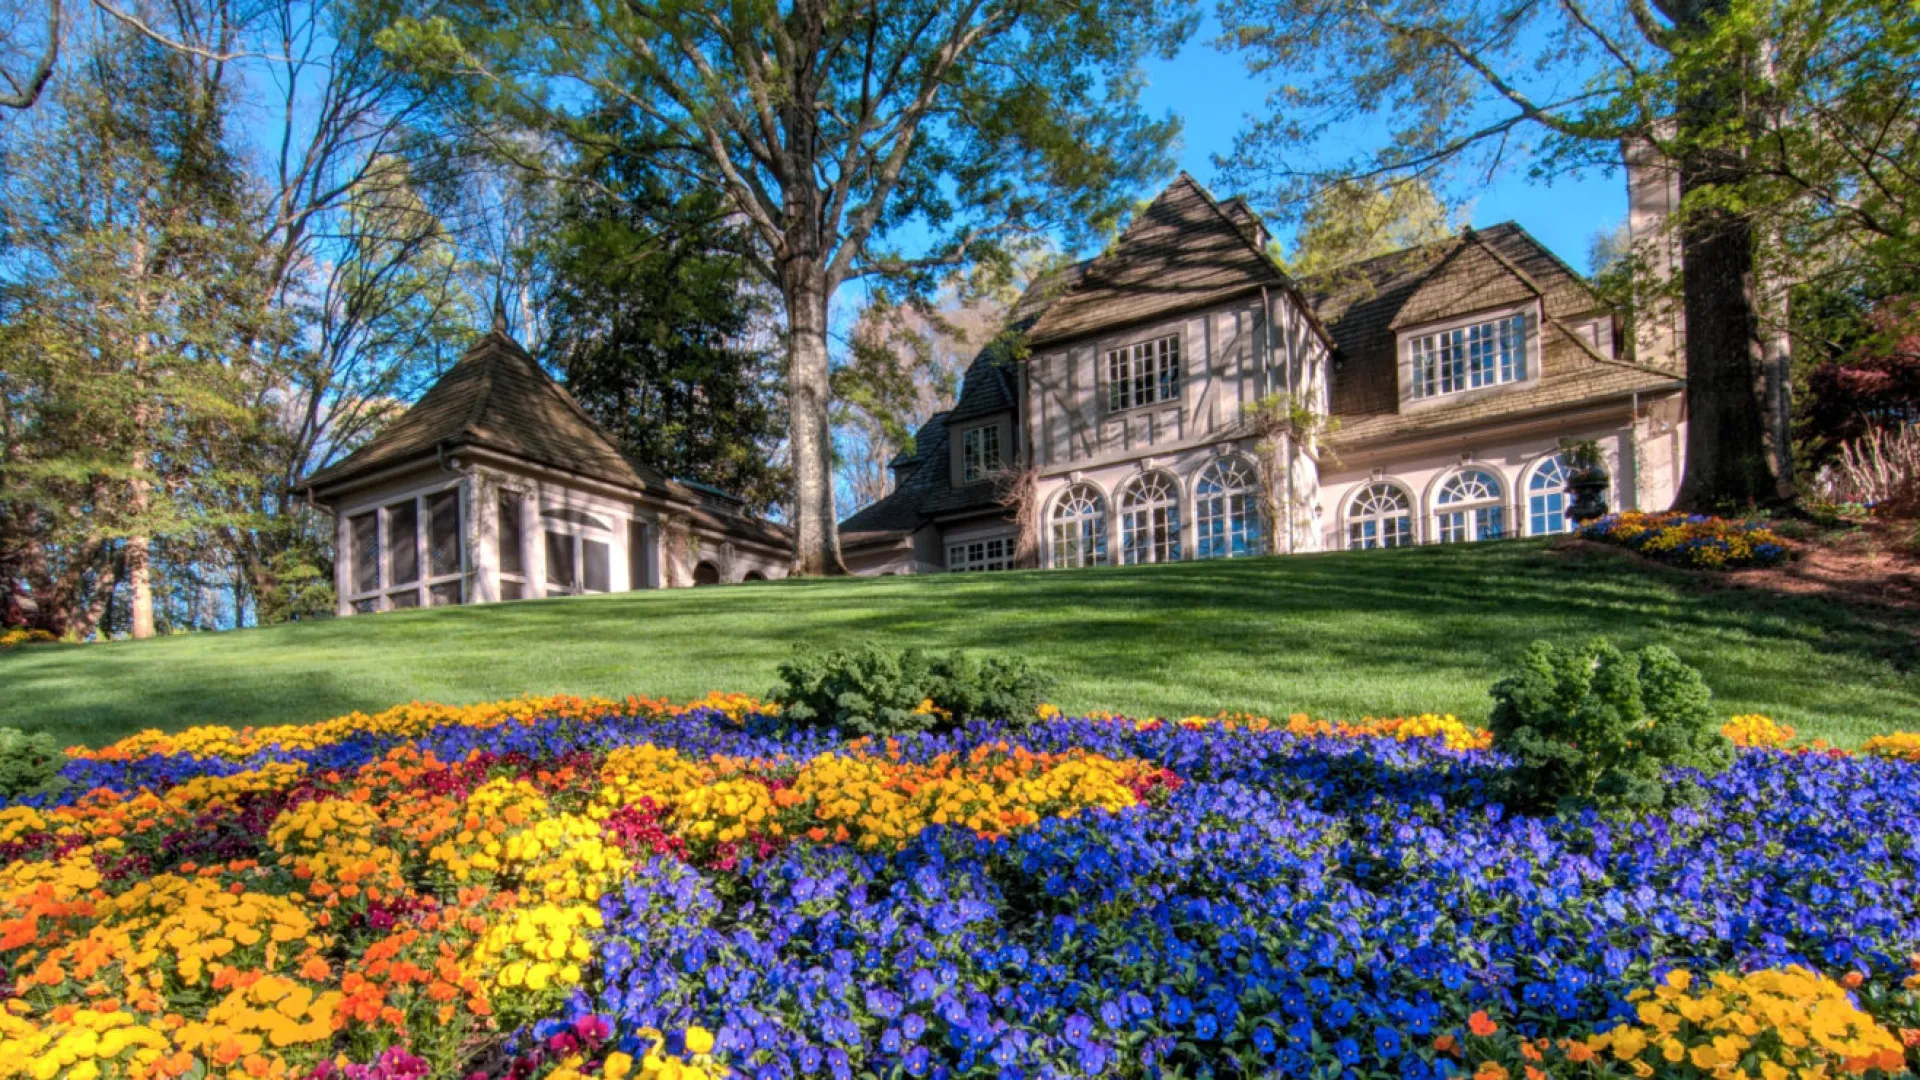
[
  {"x": 1701, "y": 541},
  {"x": 579, "y": 889}
]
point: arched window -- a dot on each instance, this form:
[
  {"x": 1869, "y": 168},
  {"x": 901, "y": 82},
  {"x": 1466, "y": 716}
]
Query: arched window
[
  {"x": 1471, "y": 508},
  {"x": 1381, "y": 515},
  {"x": 1080, "y": 528},
  {"x": 1547, "y": 497},
  {"x": 1150, "y": 520},
  {"x": 1226, "y": 510},
  {"x": 706, "y": 574}
]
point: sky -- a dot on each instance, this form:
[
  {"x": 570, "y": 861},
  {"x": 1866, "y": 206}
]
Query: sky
[{"x": 1212, "y": 93}]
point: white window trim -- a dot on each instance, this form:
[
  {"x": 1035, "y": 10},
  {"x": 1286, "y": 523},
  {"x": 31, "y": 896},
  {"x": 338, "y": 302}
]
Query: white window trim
[
  {"x": 1403, "y": 354},
  {"x": 524, "y": 579},
  {"x": 577, "y": 532},
  {"x": 1252, "y": 520},
  {"x": 381, "y": 595},
  {"x": 1102, "y": 516},
  {"x": 1176, "y": 540},
  {"x": 1104, "y": 370},
  {"x": 1349, "y": 515},
  {"x": 996, "y": 553},
  {"x": 1470, "y": 508}
]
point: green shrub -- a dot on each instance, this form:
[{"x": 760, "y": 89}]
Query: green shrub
[
  {"x": 1593, "y": 726},
  {"x": 880, "y": 692},
  {"x": 29, "y": 764}
]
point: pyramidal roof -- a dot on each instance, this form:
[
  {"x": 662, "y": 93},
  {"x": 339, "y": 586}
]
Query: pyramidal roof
[
  {"x": 498, "y": 398},
  {"x": 1183, "y": 251}
]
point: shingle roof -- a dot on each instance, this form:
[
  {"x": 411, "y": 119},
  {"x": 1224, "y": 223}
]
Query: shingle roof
[
  {"x": 496, "y": 397},
  {"x": 1364, "y": 306},
  {"x": 1183, "y": 251}
]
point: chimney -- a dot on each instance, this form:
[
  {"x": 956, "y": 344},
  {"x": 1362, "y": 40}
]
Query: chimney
[{"x": 1653, "y": 197}]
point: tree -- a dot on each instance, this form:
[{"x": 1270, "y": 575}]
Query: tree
[
  {"x": 1786, "y": 121},
  {"x": 839, "y": 131},
  {"x": 128, "y": 281},
  {"x": 1351, "y": 221},
  {"x": 905, "y": 363},
  {"x": 649, "y": 316}
]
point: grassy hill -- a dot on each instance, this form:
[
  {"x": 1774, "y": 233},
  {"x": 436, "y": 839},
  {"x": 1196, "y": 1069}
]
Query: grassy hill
[{"x": 1345, "y": 634}]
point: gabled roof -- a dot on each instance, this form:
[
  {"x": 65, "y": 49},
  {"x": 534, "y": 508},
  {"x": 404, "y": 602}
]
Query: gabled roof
[
  {"x": 1367, "y": 304},
  {"x": 498, "y": 398},
  {"x": 1183, "y": 251}
]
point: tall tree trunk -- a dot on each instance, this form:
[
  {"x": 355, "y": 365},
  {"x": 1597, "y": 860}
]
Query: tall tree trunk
[
  {"x": 1728, "y": 460},
  {"x": 816, "y": 540}
]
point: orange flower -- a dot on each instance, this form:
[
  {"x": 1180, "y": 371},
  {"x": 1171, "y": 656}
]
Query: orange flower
[
  {"x": 1444, "y": 1044},
  {"x": 1852, "y": 980},
  {"x": 1480, "y": 1024},
  {"x": 1490, "y": 1070},
  {"x": 1535, "y": 1074},
  {"x": 1578, "y": 1052}
]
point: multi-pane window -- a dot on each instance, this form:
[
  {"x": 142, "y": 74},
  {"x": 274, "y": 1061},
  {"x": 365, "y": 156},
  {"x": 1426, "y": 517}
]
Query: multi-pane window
[
  {"x": 1380, "y": 516},
  {"x": 1547, "y": 497},
  {"x": 1080, "y": 528},
  {"x": 1469, "y": 357},
  {"x": 513, "y": 559},
  {"x": 1470, "y": 507},
  {"x": 1226, "y": 510},
  {"x": 1143, "y": 373},
  {"x": 979, "y": 453},
  {"x": 407, "y": 554},
  {"x": 579, "y": 552},
  {"x": 1150, "y": 520},
  {"x": 992, "y": 554}
]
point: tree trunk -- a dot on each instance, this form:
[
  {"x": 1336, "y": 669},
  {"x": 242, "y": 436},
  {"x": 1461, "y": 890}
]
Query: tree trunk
[
  {"x": 140, "y": 586},
  {"x": 816, "y": 538},
  {"x": 1727, "y": 453}
]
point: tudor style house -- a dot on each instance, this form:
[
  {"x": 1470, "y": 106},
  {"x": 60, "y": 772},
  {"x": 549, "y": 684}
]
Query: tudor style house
[
  {"x": 1454, "y": 375},
  {"x": 496, "y": 485}
]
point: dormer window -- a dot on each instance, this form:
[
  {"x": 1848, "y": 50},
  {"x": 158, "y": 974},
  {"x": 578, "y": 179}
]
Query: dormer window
[
  {"x": 1474, "y": 356},
  {"x": 979, "y": 453},
  {"x": 1144, "y": 373}
]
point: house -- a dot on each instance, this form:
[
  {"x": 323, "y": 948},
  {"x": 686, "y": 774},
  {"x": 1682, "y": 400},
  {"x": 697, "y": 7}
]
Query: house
[
  {"x": 1453, "y": 376},
  {"x": 496, "y": 485}
]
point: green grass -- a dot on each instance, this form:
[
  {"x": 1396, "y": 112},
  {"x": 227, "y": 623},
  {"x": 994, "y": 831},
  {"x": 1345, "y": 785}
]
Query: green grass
[{"x": 1340, "y": 635}]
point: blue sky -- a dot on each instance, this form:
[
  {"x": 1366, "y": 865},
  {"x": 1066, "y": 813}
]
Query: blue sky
[{"x": 1213, "y": 95}]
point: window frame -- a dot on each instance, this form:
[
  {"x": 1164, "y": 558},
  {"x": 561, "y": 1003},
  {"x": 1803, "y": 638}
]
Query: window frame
[
  {"x": 1351, "y": 516},
  {"x": 380, "y": 597},
  {"x": 1242, "y": 531},
  {"x": 1084, "y": 532},
  {"x": 1536, "y": 469},
  {"x": 1161, "y": 522},
  {"x": 1166, "y": 380},
  {"x": 994, "y": 553},
  {"x": 989, "y": 464},
  {"x": 563, "y": 519},
  {"x": 522, "y": 578},
  {"x": 1473, "y": 513},
  {"x": 1526, "y": 360}
]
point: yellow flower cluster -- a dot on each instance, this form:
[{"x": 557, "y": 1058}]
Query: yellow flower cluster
[
  {"x": 1773, "y": 1024},
  {"x": 1450, "y": 729},
  {"x": 405, "y": 721},
  {"x": 534, "y": 952},
  {"x": 655, "y": 1064},
  {"x": 83, "y": 1044},
  {"x": 725, "y": 812},
  {"x": 13, "y": 639},
  {"x": 334, "y": 841},
  {"x": 633, "y": 773},
  {"x": 880, "y": 800},
  {"x": 1899, "y": 746},
  {"x": 1757, "y": 731}
]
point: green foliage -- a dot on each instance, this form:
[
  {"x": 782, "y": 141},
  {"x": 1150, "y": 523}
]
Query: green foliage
[
  {"x": 1594, "y": 726},
  {"x": 1350, "y": 221},
  {"x": 881, "y": 692},
  {"x": 651, "y": 319},
  {"x": 29, "y": 764},
  {"x": 301, "y": 588}
]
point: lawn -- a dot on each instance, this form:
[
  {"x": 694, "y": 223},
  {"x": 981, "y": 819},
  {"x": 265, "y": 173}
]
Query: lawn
[{"x": 1335, "y": 635}]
